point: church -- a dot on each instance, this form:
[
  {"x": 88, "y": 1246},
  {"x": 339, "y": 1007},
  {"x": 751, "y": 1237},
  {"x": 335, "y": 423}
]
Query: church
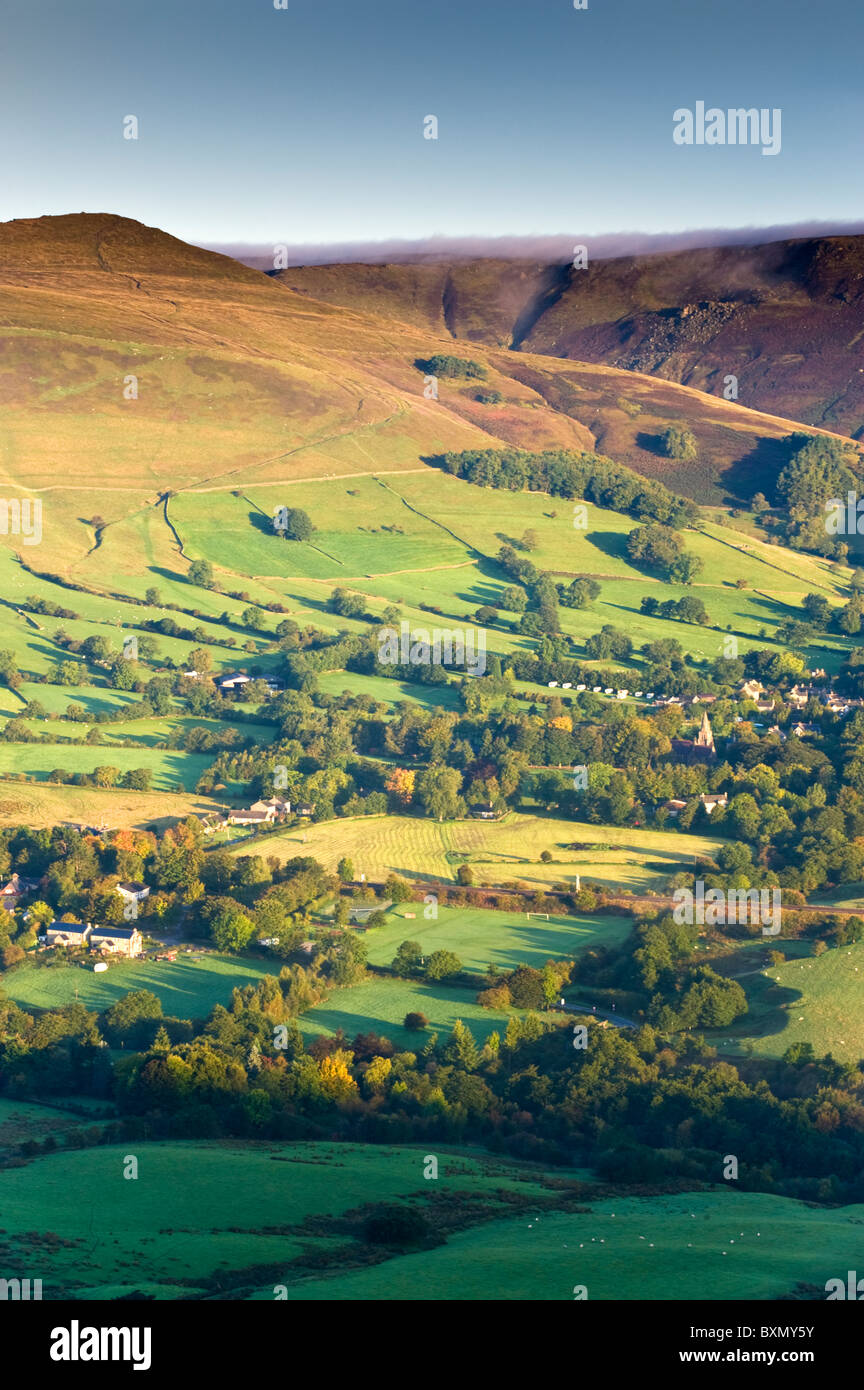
[{"x": 698, "y": 750}]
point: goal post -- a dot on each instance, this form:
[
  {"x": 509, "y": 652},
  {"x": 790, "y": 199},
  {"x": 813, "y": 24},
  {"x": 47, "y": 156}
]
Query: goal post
[{"x": 544, "y": 915}]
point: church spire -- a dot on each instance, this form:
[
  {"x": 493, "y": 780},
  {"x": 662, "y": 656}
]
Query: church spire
[{"x": 705, "y": 737}]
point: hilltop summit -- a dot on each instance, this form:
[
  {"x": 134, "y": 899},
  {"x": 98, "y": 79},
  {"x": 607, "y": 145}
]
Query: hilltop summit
[{"x": 93, "y": 241}]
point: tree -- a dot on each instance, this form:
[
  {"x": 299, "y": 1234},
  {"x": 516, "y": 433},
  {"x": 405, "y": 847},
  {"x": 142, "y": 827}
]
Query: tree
[
  {"x": 438, "y": 788},
  {"x": 443, "y": 364},
  {"x": 201, "y": 573},
  {"x": 514, "y": 599},
  {"x": 526, "y": 988},
  {"x": 407, "y": 960},
  {"x": 465, "y": 875},
  {"x": 201, "y": 661},
  {"x": 400, "y": 785},
  {"x": 676, "y": 442},
  {"x": 345, "y": 870},
  {"x": 232, "y": 930},
  {"x": 293, "y": 523},
  {"x": 443, "y": 965},
  {"x": 461, "y": 1049},
  {"x": 415, "y": 1022},
  {"x": 346, "y": 605}
]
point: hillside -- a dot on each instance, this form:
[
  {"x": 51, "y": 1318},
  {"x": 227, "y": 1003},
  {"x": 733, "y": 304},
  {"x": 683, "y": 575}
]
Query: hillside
[
  {"x": 134, "y": 363},
  {"x": 784, "y": 317}
]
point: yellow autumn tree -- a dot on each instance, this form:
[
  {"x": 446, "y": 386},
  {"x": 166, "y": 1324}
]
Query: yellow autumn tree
[
  {"x": 337, "y": 1083},
  {"x": 400, "y": 784},
  {"x": 376, "y": 1075}
]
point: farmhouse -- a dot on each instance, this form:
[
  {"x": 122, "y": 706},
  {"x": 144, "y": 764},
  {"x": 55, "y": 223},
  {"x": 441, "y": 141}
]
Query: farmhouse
[
  {"x": 674, "y": 807},
  {"x": 711, "y": 800},
  {"x": 133, "y": 892},
  {"x": 211, "y": 823},
  {"x": 485, "y": 811},
  {"x": 12, "y": 892},
  {"x": 751, "y": 690},
  {"x": 120, "y": 941},
  {"x": 229, "y": 685},
  {"x": 251, "y": 817},
  {"x": 798, "y": 696},
  {"x": 67, "y": 934},
  {"x": 273, "y": 804},
  {"x": 305, "y": 808}
]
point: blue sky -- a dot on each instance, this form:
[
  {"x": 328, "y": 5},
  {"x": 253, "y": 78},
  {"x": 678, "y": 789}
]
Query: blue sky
[{"x": 305, "y": 124}]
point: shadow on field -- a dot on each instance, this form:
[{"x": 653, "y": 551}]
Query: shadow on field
[
  {"x": 612, "y": 543},
  {"x": 757, "y": 470},
  {"x": 768, "y": 1003}
]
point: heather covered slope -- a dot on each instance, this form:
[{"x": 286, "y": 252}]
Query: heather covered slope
[
  {"x": 241, "y": 381},
  {"x": 785, "y": 317}
]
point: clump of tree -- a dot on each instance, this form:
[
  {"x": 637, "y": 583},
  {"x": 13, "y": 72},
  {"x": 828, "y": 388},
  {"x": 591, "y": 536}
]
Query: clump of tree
[
  {"x": 677, "y": 442},
  {"x": 659, "y": 548},
  {"x": 293, "y": 524},
  {"x": 201, "y": 573},
  {"x": 443, "y": 364},
  {"x": 685, "y": 610},
  {"x": 567, "y": 473},
  {"x": 820, "y": 470},
  {"x": 580, "y": 593},
  {"x": 346, "y": 605}
]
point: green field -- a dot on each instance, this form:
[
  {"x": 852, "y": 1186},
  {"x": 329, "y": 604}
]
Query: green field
[
  {"x": 209, "y": 1212},
  {"x": 190, "y": 988},
  {"x": 389, "y": 692},
  {"x": 481, "y": 938},
  {"x": 171, "y": 771},
  {"x": 22, "y": 1122},
  {"x": 204, "y": 1218},
  {"x": 627, "y": 1248},
  {"x": 808, "y": 999},
  {"x": 187, "y": 987},
  {"x": 379, "y": 1006}
]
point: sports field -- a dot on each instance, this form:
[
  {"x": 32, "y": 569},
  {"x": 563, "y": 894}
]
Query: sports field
[{"x": 481, "y": 938}]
